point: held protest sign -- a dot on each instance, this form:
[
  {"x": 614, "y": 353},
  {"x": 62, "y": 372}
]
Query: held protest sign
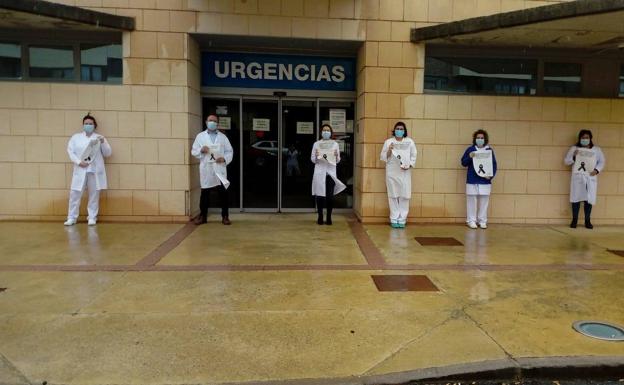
[
  {"x": 584, "y": 162},
  {"x": 482, "y": 163},
  {"x": 326, "y": 151},
  {"x": 401, "y": 151}
]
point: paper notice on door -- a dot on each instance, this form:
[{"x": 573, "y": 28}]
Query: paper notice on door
[
  {"x": 262, "y": 124},
  {"x": 305, "y": 128},
  {"x": 338, "y": 119},
  {"x": 222, "y": 110},
  {"x": 327, "y": 151},
  {"x": 225, "y": 123},
  {"x": 349, "y": 126}
]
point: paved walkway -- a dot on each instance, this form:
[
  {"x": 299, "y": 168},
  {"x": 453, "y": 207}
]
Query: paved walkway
[{"x": 277, "y": 298}]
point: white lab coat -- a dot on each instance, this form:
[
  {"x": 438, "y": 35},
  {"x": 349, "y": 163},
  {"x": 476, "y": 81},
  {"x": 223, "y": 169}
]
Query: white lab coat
[
  {"x": 75, "y": 147},
  {"x": 583, "y": 187},
  {"x": 322, "y": 168},
  {"x": 212, "y": 174},
  {"x": 398, "y": 181}
]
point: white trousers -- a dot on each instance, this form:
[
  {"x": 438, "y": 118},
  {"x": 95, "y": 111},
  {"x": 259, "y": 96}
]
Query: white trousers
[
  {"x": 399, "y": 208},
  {"x": 75, "y": 196},
  {"x": 476, "y": 208}
]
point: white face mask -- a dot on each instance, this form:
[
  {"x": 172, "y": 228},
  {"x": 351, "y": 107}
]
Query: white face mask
[
  {"x": 326, "y": 134},
  {"x": 480, "y": 142},
  {"x": 88, "y": 128},
  {"x": 211, "y": 125}
]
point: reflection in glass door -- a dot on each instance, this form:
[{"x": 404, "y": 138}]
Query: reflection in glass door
[
  {"x": 260, "y": 153},
  {"x": 299, "y": 134}
]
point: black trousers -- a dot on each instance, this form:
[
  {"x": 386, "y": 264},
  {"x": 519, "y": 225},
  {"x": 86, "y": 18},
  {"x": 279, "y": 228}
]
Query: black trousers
[
  {"x": 328, "y": 200},
  {"x": 224, "y": 200},
  {"x": 576, "y": 206}
]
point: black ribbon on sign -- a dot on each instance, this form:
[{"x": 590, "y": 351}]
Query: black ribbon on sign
[
  {"x": 212, "y": 156},
  {"x": 582, "y": 167},
  {"x": 481, "y": 170},
  {"x": 399, "y": 157},
  {"x": 88, "y": 159},
  {"x": 325, "y": 156}
]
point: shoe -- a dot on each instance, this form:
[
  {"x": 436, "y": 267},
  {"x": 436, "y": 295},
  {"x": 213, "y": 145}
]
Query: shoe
[
  {"x": 328, "y": 221},
  {"x": 472, "y": 225},
  {"x": 483, "y": 225},
  {"x": 394, "y": 225},
  {"x": 589, "y": 225},
  {"x": 401, "y": 225},
  {"x": 573, "y": 224},
  {"x": 226, "y": 221},
  {"x": 200, "y": 219},
  {"x": 319, "y": 221},
  {"x": 70, "y": 222},
  {"x": 91, "y": 222}
]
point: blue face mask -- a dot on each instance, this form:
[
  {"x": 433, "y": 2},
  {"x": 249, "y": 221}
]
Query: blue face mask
[
  {"x": 211, "y": 125},
  {"x": 88, "y": 128},
  {"x": 480, "y": 142},
  {"x": 399, "y": 133},
  {"x": 326, "y": 134},
  {"x": 584, "y": 142}
]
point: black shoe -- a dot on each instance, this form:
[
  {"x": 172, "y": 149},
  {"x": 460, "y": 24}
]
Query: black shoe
[
  {"x": 200, "y": 220},
  {"x": 319, "y": 221},
  {"x": 573, "y": 223},
  {"x": 328, "y": 221},
  {"x": 589, "y": 225}
]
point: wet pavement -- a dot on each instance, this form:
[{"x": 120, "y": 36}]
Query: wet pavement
[{"x": 279, "y": 299}]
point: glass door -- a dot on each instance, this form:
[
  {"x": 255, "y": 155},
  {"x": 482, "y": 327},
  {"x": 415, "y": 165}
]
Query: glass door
[
  {"x": 299, "y": 128},
  {"x": 261, "y": 154}
]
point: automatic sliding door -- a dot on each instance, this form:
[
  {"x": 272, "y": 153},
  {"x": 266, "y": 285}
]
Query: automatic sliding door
[{"x": 261, "y": 152}]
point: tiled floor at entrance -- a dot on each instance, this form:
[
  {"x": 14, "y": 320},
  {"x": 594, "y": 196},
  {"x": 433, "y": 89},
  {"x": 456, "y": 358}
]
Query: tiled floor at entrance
[{"x": 306, "y": 310}]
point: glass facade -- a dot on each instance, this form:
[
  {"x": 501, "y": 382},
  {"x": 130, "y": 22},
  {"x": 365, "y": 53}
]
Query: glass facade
[
  {"x": 562, "y": 78},
  {"x": 481, "y": 75},
  {"x": 621, "y": 93},
  {"x": 46, "y": 62},
  {"x": 10, "y": 61},
  {"x": 101, "y": 63}
]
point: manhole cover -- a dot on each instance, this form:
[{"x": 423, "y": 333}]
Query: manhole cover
[{"x": 600, "y": 330}]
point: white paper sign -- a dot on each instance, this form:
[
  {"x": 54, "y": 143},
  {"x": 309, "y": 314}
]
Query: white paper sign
[
  {"x": 214, "y": 152},
  {"x": 584, "y": 162},
  {"x": 326, "y": 151},
  {"x": 482, "y": 163},
  {"x": 338, "y": 119},
  {"x": 225, "y": 123},
  {"x": 349, "y": 126},
  {"x": 401, "y": 151},
  {"x": 262, "y": 124},
  {"x": 305, "y": 128},
  {"x": 88, "y": 155},
  {"x": 222, "y": 110}
]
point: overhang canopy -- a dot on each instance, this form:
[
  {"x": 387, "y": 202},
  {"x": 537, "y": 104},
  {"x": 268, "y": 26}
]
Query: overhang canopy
[
  {"x": 581, "y": 24},
  {"x": 38, "y": 14}
]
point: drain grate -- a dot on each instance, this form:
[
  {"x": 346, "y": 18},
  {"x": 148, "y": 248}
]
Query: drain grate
[{"x": 600, "y": 330}]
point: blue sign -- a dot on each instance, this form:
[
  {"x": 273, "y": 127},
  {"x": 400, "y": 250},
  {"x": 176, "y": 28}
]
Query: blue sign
[{"x": 248, "y": 70}]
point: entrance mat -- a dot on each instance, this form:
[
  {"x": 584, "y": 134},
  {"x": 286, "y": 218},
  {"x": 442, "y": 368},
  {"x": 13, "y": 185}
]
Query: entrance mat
[{"x": 438, "y": 241}]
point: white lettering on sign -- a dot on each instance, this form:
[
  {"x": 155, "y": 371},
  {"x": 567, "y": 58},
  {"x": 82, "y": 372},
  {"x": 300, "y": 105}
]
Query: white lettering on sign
[{"x": 278, "y": 71}]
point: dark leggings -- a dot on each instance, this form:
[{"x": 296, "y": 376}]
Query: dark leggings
[
  {"x": 328, "y": 200},
  {"x": 576, "y": 207}
]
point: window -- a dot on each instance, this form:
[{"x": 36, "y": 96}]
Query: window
[
  {"x": 10, "y": 61},
  {"x": 562, "y": 78},
  {"x": 101, "y": 63},
  {"x": 621, "y": 94},
  {"x": 481, "y": 75},
  {"x": 51, "y": 62}
]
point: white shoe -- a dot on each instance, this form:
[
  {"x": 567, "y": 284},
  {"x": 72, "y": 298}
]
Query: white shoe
[
  {"x": 472, "y": 225},
  {"x": 483, "y": 225},
  {"x": 70, "y": 222},
  {"x": 91, "y": 222}
]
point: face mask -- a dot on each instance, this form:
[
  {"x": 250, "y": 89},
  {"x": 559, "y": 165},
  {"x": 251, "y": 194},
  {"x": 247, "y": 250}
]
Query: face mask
[
  {"x": 326, "y": 134},
  {"x": 399, "y": 133},
  {"x": 211, "y": 125},
  {"x": 88, "y": 128},
  {"x": 480, "y": 142},
  {"x": 584, "y": 142}
]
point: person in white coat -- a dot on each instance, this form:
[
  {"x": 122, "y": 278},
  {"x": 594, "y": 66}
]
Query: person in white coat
[
  {"x": 87, "y": 150},
  {"x": 325, "y": 182},
  {"x": 478, "y": 185},
  {"x": 399, "y": 153},
  {"x": 214, "y": 151},
  {"x": 587, "y": 161}
]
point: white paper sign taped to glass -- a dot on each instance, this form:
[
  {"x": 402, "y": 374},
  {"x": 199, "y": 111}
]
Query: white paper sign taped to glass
[
  {"x": 225, "y": 123},
  {"x": 305, "y": 128},
  {"x": 262, "y": 124},
  {"x": 326, "y": 151},
  {"x": 482, "y": 163},
  {"x": 584, "y": 162},
  {"x": 88, "y": 155},
  {"x": 214, "y": 153},
  {"x": 338, "y": 119},
  {"x": 401, "y": 151}
]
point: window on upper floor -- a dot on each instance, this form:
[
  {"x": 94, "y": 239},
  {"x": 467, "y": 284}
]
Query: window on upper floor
[
  {"x": 561, "y": 79},
  {"x": 10, "y": 61}
]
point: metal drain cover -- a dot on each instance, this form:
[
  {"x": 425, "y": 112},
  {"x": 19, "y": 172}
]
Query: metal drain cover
[{"x": 601, "y": 330}]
